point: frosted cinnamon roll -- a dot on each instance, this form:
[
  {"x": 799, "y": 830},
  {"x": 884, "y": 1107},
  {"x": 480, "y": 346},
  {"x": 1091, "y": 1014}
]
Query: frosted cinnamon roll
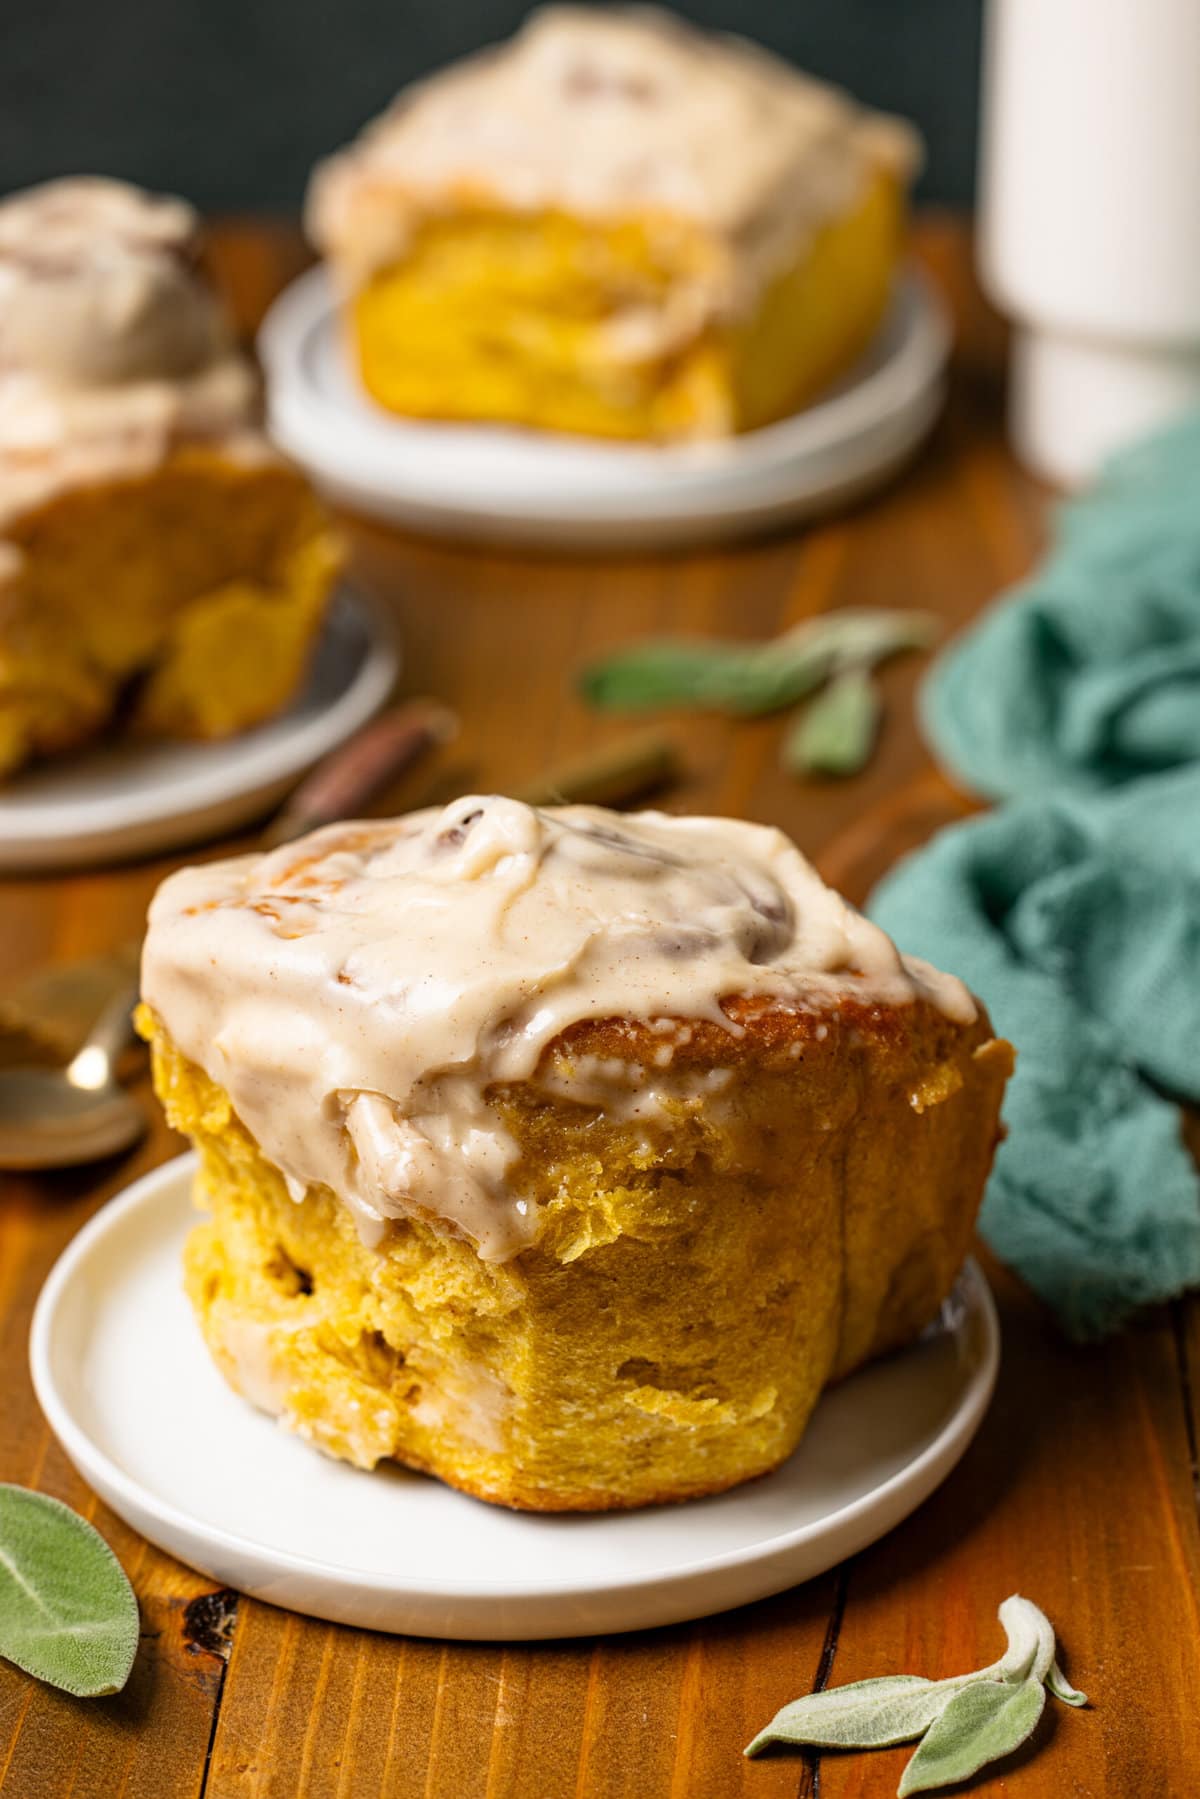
[
  {"x": 155, "y": 556},
  {"x": 614, "y": 224},
  {"x": 564, "y": 1155}
]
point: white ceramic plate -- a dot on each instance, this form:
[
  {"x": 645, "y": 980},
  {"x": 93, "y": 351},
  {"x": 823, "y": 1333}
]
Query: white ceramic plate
[
  {"x": 505, "y": 484},
  {"x": 116, "y": 800},
  {"x": 127, "y": 1386}
]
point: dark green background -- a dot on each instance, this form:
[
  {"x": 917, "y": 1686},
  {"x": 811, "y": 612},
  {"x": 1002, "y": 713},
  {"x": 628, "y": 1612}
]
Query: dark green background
[{"x": 230, "y": 101}]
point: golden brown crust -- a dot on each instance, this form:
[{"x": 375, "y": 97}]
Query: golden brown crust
[
  {"x": 516, "y": 1496},
  {"x": 767, "y": 1032},
  {"x": 915, "y": 1167}
]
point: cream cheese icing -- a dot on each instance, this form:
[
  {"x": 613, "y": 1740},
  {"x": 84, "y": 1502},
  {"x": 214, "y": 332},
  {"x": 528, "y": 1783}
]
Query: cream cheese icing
[
  {"x": 609, "y": 113},
  {"x": 359, "y": 993},
  {"x": 113, "y": 346}
]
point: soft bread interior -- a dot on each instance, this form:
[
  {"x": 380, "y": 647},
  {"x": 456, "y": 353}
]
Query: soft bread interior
[{"x": 508, "y": 317}]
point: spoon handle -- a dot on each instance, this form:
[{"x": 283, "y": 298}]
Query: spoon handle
[{"x": 94, "y": 1063}]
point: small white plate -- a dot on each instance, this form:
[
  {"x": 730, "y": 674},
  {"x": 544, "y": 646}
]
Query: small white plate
[
  {"x": 128, "y": 1388},
  {"x": 526, "y": 486},
  {"x": 119, "y": 799}
]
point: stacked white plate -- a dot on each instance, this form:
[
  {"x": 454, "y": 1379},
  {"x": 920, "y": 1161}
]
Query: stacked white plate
[{"x": 522, "y": 486}]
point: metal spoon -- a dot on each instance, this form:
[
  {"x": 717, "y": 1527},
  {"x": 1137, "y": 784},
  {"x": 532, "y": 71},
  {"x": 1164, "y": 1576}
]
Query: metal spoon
[{"x": 58, "y": 1117}]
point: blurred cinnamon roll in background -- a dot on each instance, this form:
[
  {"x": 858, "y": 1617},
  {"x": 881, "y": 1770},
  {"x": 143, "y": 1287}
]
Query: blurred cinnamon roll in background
[
  {"x": 614, "y": 224},
  {"x": 159, "y": 565}
]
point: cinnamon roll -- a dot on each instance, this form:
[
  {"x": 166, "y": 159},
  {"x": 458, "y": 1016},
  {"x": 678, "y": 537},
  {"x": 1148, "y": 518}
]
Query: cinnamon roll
[
  {"x": 617, "y": 225},
  {"x": 157, "y": 560},
  {"x": 563, "y": 1155}
]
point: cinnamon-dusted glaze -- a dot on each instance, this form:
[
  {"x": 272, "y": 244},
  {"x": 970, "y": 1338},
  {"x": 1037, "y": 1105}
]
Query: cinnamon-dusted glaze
[
  {"x": 612, "y": 113},
  {"x": 113, "y": 346},
  {"x": 358, "y": 993}
]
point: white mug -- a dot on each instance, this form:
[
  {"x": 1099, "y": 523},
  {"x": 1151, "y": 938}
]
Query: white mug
[{"x": 1090, "y": 219}]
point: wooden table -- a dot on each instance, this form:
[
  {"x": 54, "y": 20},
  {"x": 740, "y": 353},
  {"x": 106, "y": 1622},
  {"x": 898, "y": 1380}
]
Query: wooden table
[{"x": 1081, "y": 1489}]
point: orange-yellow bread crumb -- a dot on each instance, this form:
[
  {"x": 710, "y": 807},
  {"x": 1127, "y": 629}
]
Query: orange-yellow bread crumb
[{"x": 686, "y": 1298}]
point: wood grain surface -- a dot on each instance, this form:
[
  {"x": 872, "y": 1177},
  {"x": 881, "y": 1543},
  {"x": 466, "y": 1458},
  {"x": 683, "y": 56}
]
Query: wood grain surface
[{"x": 1081, "y": 1489}]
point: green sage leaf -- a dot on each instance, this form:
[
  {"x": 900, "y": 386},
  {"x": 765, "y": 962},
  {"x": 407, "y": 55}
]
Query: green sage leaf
[
  {"x": 1061, "y": 1687},
  {"x": 983, "y": 1722},
  {"x": 868, "y": 635},
  {"x": 749, "y": 679},
  {"x": 1030, "y": 1635},
  {"x": 967, "y": 1720},
  {"x": 836, "y": 732},
  {"x": 719, "y": 677},
  {"x": 867, "y": 1714},
  {"x": 68, "y": 1615}
]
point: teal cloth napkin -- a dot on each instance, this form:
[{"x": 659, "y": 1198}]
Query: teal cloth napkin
[
  {"x": 1089, "y": 676},
  {"x": 1074, "y": 909}
]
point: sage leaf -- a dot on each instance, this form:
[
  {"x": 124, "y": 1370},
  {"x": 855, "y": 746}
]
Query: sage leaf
[
  {"x": 867, "y": 1714},
  {"x": 984, "y": 1721},
  {"x": 68, "y": 1615},
  {"x": 719, "y": 677},
  {"x": 1030, "y": 1635},
  {"x": 866, "y": 636},
  {"x": 836, "y": 732},
  {"x": 964, "y": 1722},
  {"x": 1061, "y": 1687},
  {"x": 749, "y": 679}
]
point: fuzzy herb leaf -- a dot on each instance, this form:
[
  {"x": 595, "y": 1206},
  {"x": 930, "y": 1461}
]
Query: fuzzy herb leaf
[
  {"x": 981, "y": 1723},
  {"x": 719, "y": 677},
  {"x": 749, "y": 679},
  {"x": 1030, "y": 1634},
  {"x": 68, "y": 1615},
  {"x": 964, "y": 1722},
  {"x": 867, "y": 1714},
  {"x": 868, "y": 635},
  {"x": 1058, "y": 1684},
  {"x": 836, "y": 732}
]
